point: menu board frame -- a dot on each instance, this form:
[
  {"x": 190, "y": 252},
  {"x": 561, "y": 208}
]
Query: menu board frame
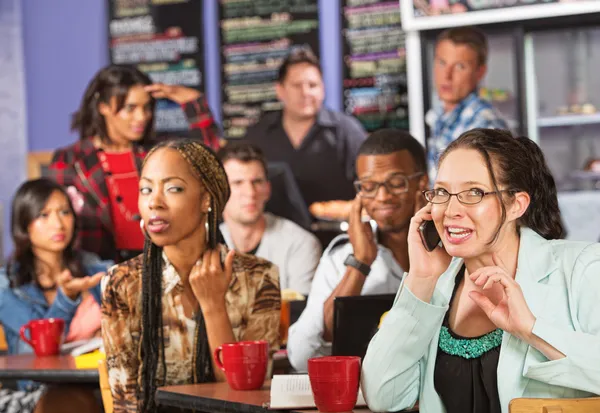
[
  {"x": 380, "y": 81},
  {"x": 179, "y": 29},
  {"x": 237, "y": 117},
  {"x": 516, "y": 12}
]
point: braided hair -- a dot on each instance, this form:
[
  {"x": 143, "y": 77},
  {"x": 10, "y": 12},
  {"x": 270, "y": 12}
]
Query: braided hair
[{"x": 209, "y": 170}]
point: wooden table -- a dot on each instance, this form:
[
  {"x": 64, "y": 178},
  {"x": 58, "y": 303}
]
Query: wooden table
[
  {"x": 219, "y": 398},
  {"x": 54, "y": 369}
]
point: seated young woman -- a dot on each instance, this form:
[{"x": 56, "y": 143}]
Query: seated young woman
[
  {"x": 165, "y": 311},
  {"x": 504, "y": 309},
  {"x": 46, "y": 277}
]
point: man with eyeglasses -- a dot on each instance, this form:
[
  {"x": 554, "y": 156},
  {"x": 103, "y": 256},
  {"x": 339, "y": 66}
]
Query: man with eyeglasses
[{"x": 392, "y": 174}]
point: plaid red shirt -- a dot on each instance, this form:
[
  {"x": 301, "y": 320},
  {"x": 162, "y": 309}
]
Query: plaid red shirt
[{"x": 78, "y": 165}]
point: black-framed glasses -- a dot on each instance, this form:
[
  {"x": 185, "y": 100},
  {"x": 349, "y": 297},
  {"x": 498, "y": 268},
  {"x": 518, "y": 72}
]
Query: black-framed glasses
[
  {"x": 467, "y": 197},
  {"x": 395, "y": 185}
]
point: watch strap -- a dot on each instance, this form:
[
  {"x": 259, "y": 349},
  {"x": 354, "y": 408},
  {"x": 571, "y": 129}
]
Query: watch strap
[{"x": 363, "y": 268}]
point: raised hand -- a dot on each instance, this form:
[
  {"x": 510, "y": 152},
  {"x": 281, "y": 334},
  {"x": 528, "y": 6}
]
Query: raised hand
[
  {"x": 73, "y": 286},
  {"x": 210, "y": 280},
  {"x": 511, "y": 313},
  {"x": 425, "y": 264},
  {"x": 361, "y": 234},
  {"x": 176, "y": 93}
]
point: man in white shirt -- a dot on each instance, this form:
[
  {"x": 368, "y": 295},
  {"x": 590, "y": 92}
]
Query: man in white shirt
[
  {"x": 392, "y": 172},
  {"x": 249, "y": 229}
]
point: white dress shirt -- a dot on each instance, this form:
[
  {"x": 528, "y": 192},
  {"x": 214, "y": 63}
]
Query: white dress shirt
[
  {"x": 294, "y": 250},
  {"x": 305, "y": 337}
]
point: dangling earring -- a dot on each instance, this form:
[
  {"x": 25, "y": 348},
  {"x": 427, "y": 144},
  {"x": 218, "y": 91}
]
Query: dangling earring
[
  {"x": 206, "y": 226},
  {"x": 143, "y": 228}
]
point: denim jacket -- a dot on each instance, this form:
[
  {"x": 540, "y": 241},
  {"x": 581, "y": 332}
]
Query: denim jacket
[{"x": 20, "y": 305}]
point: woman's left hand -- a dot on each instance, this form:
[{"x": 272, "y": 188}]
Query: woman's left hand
[
  {"x": 73, "y": 286},
  {"x": 210, "y": 281},
  {"x": 511, "y": 314},
  {"x": 176, "y": 93}
]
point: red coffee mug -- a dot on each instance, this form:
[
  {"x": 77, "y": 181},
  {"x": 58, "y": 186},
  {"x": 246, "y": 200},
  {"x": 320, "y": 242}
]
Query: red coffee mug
[
  {"x": 244, "y": 363},
  {"x": 46, "y": 335},
  {"x": 334, "y": 382}
]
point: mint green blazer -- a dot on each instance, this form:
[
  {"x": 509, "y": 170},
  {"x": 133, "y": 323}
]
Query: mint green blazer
[{"x": 561, "y": 284}]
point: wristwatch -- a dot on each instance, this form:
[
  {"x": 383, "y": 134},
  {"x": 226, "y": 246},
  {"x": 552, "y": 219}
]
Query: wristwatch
[{"x": 360, "y": 266}]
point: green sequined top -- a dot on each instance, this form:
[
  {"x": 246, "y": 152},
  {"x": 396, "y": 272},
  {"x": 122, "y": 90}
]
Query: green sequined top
[
  {"x": 469, "y": 348},
  {"x": 465, "y": 369}
]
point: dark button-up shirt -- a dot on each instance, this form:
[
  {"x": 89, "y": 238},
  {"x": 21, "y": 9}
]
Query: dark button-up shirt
[{"x": 323, "y": 165}]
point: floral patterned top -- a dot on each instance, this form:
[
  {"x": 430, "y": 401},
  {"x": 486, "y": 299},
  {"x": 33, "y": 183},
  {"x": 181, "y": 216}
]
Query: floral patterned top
[{"x": 253, "y": 305}]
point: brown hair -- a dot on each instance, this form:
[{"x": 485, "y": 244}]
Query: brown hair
[
  {"x": 112, "y": 81},
  {"x": 27, "y": 204},
  {"x": 469, "y": 36},
  {"x": 517, "y": 165},
  {"x": 298, "y": 56},
  {"x": 244, "y": 152}
]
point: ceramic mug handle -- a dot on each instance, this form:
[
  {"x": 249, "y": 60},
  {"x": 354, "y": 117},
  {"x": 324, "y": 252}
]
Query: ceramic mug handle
[
  {"x": 22, "y": 331},
  {"x": 217, "y": 356}
]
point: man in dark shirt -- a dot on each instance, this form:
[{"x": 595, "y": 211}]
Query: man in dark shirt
[{"x": 319, "y": 145}]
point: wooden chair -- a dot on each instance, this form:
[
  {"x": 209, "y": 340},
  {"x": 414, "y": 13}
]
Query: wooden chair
[
  {"x": 523, "y": 405},
  {"x": 3, "y": 344},
  {"x": 105, "y": 387}
]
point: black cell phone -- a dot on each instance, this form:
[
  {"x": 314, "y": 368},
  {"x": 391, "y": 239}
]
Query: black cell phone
[{"x": 429, "y": 235}]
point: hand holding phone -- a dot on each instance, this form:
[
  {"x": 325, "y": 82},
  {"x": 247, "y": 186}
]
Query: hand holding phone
[
  {"x": 426, "y": 261},
  {"x": 429, "y": 235}
]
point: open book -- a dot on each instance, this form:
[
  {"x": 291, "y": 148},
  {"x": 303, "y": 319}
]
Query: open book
[
  {"x": 292, "y": 391},
  {"x": 76, "y": 348}
]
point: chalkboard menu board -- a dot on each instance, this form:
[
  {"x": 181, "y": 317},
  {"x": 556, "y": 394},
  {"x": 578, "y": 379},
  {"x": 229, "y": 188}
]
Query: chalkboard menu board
[
  {"x": 256, "y": 35},
  {"x": 374, "y": 64},
  {"x": 163, "y": 38}
]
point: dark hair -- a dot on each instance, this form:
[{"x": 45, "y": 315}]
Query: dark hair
[
  {"x": 296, "y": 57},
  {"x": 112, "y": 81},
  {"x": 244, "y": 152},
  {"x": 27, "y": 204},
  {"x": 387, "y": 141},
  {"x": 518, "y": 165},
  {"x": 469, "y": 36},
  {"x": 209, "y": 170}
]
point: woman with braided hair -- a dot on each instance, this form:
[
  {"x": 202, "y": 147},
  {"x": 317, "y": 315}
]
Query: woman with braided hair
[{"x": 165, "y": 311}]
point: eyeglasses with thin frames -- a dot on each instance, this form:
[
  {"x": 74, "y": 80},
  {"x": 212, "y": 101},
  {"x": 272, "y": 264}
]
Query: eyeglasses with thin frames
[
  {"x": 467, "y": 197},
  {"x": 395, "y": 185}
]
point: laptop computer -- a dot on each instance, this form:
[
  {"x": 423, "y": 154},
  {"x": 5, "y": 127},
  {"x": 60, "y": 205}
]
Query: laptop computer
[{"x": 355, "y": 322}]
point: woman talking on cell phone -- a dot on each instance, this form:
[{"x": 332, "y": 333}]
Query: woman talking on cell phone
[
  {"x": 115, "y": 127},
  {"x": 504, "y": 309}
]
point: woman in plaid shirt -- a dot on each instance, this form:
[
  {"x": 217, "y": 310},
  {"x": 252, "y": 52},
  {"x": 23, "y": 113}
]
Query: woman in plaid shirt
[{"x": 101, "y": 170}]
